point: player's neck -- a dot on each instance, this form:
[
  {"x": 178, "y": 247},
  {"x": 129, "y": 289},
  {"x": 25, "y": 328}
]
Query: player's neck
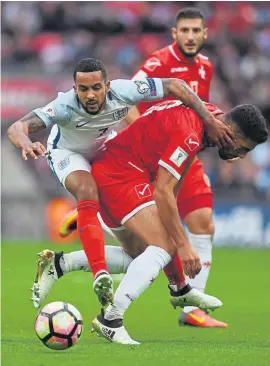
[{"x": 207, "y": 142}]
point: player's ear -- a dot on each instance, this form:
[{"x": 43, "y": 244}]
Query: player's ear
[
  {"x": 205, "y": 34},
  {"x": 75, "y": 88},
  {"x": 173, "y": 33},
  {"x": 107, "y": 86}
]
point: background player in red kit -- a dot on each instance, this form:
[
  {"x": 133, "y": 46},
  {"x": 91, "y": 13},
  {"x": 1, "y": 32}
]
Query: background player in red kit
[
  {"x": 159, "y": 144},
  {"x": 195, "y": 202}
]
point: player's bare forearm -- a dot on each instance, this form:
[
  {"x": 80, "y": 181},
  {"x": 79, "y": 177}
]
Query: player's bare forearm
[
  {"x": 165, "y": 193},
  {"x": 19, "y": 131},
  {"x": 180, "y": 90}
]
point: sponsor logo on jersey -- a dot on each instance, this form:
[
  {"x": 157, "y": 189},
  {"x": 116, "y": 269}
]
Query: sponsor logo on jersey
[
  {"x": 152, "y": 63},
  {"x": 153, "y": 89},
  {"x": 192, "y": 141},
  {"x": 49, "y": 110},
  {"x": 142, "y": 86},
  {"x": 179, "y": 69},
  {"x": 179, "y": 156},
  {"x": 143, "y": 190},
  {"x": 63, "y": 163},
  {"x": 120, "y": 114}
]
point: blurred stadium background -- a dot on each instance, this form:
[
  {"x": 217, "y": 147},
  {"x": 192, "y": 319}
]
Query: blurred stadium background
[{"x": 42, "y": 41}]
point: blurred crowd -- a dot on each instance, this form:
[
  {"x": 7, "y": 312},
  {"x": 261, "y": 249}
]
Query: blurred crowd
[{"x": 49, "y": 37}]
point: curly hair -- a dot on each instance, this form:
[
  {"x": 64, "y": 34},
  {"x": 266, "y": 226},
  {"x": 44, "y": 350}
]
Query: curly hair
[
  {"x": 250, "y": 121},
  {"x": 90, "y": 65}
]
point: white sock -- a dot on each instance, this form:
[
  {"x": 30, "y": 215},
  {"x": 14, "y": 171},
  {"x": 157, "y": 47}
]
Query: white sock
[
  {"x": 116, "y": 258},
  {"x": 203, "y": 246},
  {"x": 140, "y": 274}
]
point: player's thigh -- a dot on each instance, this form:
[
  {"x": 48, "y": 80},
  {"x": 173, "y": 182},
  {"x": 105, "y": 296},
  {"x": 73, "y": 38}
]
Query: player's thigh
[
  {"x": 73, "y": 171},
  {"x": 126, "y": 197},
  {"x": 148, "y": 227},
  {"x": 131, "y": 243},
  {"x": 200, "y": 221}
]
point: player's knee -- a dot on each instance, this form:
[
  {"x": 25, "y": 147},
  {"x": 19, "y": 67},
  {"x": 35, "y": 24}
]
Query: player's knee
[
  {"x": 205, "y": 227},
  {"x": 86, "y": 192},
  {"x": 200, "y": 222},
  {"x": 170, "y": 248}
]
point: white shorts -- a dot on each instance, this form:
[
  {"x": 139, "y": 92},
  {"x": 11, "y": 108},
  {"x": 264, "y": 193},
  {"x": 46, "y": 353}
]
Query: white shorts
[{"x": 62, "y": 162}]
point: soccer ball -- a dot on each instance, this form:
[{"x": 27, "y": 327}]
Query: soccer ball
[{"x": 59, "y": 325}]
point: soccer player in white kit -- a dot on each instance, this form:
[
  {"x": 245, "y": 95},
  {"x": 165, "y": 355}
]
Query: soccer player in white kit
[{"x": 82, "y": 119}]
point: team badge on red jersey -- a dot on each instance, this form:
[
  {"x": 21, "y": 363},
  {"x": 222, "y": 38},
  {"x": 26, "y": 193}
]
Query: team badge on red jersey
[{"x": 192, "y": 142}]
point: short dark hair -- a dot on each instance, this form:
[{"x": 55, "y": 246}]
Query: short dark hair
[
  {"x": 189, "y": 13},
  {"x": 250, "y": 121},
  {"x": 90, "y": 65}
]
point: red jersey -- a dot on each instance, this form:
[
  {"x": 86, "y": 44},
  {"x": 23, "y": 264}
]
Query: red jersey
[
  {"x": 169, "y": 62},
  {"x": 168, "y": 134}
]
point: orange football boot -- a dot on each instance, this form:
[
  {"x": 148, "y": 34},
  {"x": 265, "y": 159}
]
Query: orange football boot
[
  {"x": 69, "y": 223},
  {"x": 199, "y": 318}
]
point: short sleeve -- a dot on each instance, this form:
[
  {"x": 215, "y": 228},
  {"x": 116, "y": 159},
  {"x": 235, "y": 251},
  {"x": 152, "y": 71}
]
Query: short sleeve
[
  {"x": 53, "y": 113},
  {"x": 179, "y": 152},
  {"x": 134, "y": 91}
]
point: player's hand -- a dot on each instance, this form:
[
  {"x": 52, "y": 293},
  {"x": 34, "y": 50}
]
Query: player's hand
[
  {"x": 221, "y": 134},
  {"x": 33, "y": 149},
  {"x": 190, "y": 261}
]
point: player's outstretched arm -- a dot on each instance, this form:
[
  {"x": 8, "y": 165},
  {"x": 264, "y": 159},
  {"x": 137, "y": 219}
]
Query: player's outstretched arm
[
  {"x": 164, "y": 196},
  {"x": 18, "y": 134},
  {"x": 219, "y": 133}
]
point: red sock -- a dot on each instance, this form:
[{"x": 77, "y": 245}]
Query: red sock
[
  {"x": 91, "y": 235},
  {"x": 175, "y": 273}
]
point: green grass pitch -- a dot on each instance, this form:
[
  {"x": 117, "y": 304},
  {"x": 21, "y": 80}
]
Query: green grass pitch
[{"x": 239, "y": 277}]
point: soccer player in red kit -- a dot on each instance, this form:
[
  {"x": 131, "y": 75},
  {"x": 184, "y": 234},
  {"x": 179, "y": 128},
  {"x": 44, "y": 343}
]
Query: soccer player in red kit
[
  {"x": 195, "y": 200},
  {"x": 160, "y": 146}
]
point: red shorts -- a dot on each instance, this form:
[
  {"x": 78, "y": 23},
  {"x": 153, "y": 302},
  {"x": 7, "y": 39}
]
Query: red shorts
[
  {"x": 124, "y": 188},
  {"x": 195, "y": 191}
]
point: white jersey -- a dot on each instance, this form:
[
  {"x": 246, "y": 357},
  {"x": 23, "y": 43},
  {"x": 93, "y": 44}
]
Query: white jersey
[{"x": 78, "y": 131}]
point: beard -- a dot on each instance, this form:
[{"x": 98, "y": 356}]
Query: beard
[
  {"x": 100, "y": 108},
  {"x": 94, "y": 113},
  {"x": 189, "y": 55},
  {"x": 226, "y": 155}
]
